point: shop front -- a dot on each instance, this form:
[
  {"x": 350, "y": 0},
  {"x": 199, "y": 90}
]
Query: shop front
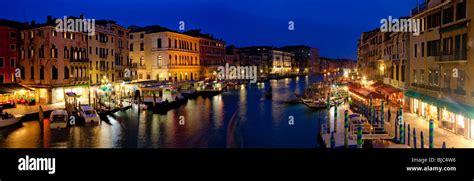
[
  {"x": 58, "y": 93},
  {"x": 14, "y": 93},
  {"x": 449, "y": 115}
]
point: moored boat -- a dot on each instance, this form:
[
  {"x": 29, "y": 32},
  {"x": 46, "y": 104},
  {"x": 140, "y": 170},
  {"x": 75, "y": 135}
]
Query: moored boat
[
  {"x": 58, "y": 119},
  {"x": 7, "y": 119}
]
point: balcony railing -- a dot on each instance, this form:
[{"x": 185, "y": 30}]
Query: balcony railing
[
  {"x": 461, "y": 92},
  {"x": 446, "y": 90},
  {"x": 420, "y": 8},
  {"x": 76, "y": 79},
  {"x": 457, "y": 55}
]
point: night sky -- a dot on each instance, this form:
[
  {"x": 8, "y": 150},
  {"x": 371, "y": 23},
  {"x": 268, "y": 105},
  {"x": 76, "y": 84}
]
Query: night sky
[{"x": 333, "y": 26}]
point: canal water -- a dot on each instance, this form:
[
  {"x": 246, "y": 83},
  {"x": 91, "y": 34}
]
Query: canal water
[{"x": 257, "y": 122}]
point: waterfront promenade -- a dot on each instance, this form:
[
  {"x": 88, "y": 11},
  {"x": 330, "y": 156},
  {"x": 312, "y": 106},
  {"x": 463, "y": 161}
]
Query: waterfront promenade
[{"x": 440, "y": 135}]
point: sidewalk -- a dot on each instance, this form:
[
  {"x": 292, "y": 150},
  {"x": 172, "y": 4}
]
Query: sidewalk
[
  {"x": 339, "y": 134},
  {"x": 440, "y": 135},
  {"x": 25, "y": 109}
]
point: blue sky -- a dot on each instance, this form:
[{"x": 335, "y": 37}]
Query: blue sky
[{"x": 333, "y": 26}]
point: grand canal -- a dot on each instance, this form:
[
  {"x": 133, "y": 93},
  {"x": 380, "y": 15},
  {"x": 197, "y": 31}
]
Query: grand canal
[{"x": 259, "y": 123}]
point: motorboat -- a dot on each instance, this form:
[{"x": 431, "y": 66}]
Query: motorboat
[
  {"x": 58, "y": 119},
  {"x": 7, "y": 119},
  {"x": 89, "y": 114}
]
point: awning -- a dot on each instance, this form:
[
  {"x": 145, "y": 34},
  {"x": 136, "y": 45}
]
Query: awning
[
  {"x": 10, "y": 88},
  {"x": 388, "y": 90},
  {"x": 448, "y": 104},
  {"x": 365, "y": 93}
]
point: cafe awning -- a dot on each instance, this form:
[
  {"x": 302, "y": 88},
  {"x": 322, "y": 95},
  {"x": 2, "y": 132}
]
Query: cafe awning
[
  {"x": 448, "y": 104},
  {"x": 365, "y": 93},
  {"x": 388, "y": 90},
  {"x": 10, "y": 88}
]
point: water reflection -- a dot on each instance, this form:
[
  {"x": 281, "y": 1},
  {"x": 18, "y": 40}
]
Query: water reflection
[{"x": 262, "y": 123}]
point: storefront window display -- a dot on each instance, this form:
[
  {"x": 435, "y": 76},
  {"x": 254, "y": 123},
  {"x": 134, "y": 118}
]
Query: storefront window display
[{"x": 460, "y": 124}]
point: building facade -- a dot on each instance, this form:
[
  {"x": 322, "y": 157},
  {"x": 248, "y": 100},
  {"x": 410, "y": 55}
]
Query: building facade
[
  {"x": 441, "y": 65},
  {"x": 306, "y": 59},
  {"x": 212, "y": 52},
  {"x": 9, "y": 41},
  {"x": 53, "y": 62},
  {"x": 108, "y": 52},
  {"x": 281, "y": 63},
  {"x": 164, "y": 55}
]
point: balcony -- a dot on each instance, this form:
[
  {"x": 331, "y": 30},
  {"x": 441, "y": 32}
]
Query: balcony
[
  {"x": 460, "y": 92},
  {"x": 387, "y": 57},
  {"x": 452, "y": 57},
  {"x": 79, "y": 79},
  {"x": 446, "y": 90},
  {"x": 420, "y": 8}
]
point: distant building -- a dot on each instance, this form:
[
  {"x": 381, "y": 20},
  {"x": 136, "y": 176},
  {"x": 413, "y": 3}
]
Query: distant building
[
  {"x": 232, "y": 56},
  {"x": 164, "y": 55},
  {"x": 332, "y": 65},
  {"x": 306, "y": 59},
  {"x": 282, "y": 63}
]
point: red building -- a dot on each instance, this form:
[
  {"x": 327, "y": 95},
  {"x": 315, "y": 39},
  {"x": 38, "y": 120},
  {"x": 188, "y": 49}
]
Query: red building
[{"x": 8, "y": 49}]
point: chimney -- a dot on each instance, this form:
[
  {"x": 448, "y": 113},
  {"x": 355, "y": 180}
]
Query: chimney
[
  {"x": 81, "y": 16},
  {"x": 33, "y": 22},
  {"x": 49, "y": 19}
]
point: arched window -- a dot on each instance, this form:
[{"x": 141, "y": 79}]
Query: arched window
[
  {"x": 160, "y": 61},
  {"x": 66, "y": 72},
  {"x": 54, "y": 73},
  {"x": 22, "y": 72},
  {"x": 159, "y": 43},
  {"x": 54, "y": 51},
  {"x": 131, "y": 47},
  {"x": 32, "y": 73},
  {"x": 31, "y": 52},
  {"x": 22, "y": 53},
  {"x": 74, "y": 53},
  {"x": 66, "y": 52},
  {"x": 41, "y": 51},
  {"x": 42, "y": 72}
]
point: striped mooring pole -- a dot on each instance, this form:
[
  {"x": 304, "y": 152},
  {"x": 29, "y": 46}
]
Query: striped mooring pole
[
  {"x": 431, "y": 138},
  {"x": 444, "y": 145},
  {"x": 400, "y": 124},
  {"x": 408, "y": 136},
  {"x": 422, "y": 141},
  {"x": 404, "y": 133},
  {"x": 359, "y": 136},
  {"x": 346, "y": 129},
  {"x": 335, "y": 117},
  {"x": 414, "y": 138},
  {"x": 382, "y": 116}
]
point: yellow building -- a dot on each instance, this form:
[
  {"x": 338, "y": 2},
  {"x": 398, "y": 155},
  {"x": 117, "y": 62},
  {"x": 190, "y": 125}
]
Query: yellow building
[
  {"x": 164, "y": 55},
  {"x": 441, "y": 65}
]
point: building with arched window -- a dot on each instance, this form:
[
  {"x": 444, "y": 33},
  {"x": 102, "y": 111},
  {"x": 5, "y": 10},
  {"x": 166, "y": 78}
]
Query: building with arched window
[
  {"x": 54, "y": 62},
  {"x": 165, "y": 55}
]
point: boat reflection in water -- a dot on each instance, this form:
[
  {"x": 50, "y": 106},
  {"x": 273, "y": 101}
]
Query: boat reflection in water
[{"x": 200, "y": 123}]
